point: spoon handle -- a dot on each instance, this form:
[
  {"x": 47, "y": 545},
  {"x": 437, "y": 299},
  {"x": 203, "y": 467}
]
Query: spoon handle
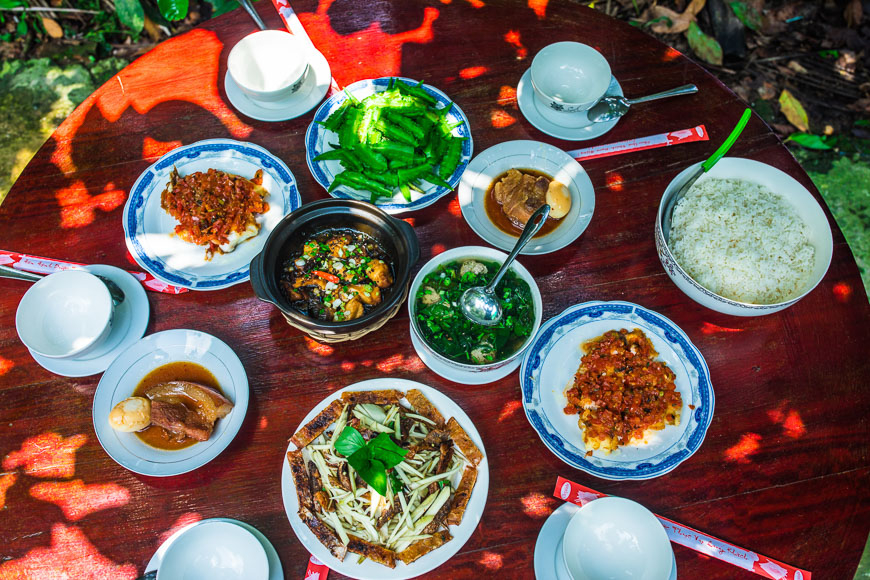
[
  {"x": 683, "y": 90},
  {"x": 7, "y": 272},
  {"x": 533, "y": 226},
  {"x": 252, "y": 12}
]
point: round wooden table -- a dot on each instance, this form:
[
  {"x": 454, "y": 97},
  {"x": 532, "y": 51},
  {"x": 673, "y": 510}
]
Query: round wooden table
[{"x": 784, "y": 467}]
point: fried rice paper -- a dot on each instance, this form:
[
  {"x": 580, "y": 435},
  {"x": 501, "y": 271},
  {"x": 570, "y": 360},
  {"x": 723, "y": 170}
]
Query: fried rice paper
[
  {"x": 464, "y": 442},
  {"x": 385, "y": 397},
  {"x": 422, "y": 547},
  {"x": 462, "y": 495},
  {"x": 422, "y": 406},
  {"x": 312, "y": 430},
  {"x": 324, "y": 533},
  {"x": 300, "y": 477},
  {"x": 371, "y": 551}
]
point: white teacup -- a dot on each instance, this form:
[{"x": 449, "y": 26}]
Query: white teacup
[
  {"x": 66, "y": 314},
  {"x": 568, "y": 78},
  {"x": 214, "y": 550},
  {"x": 616, "y": 538},
  {"x": 269, "y": 66}
]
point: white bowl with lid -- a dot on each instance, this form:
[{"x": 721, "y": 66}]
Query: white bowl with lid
[{"x": 65, "y": 314}]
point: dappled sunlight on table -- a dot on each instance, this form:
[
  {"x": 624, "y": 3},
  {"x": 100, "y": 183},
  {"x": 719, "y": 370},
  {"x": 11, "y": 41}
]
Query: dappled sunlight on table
[
  {"x": 792, "y": 424},
  {"x": 509, "y": 409},
  {"x": 708, "y": 328},
  {"x": 7, "y": 480},
  {"x": 78, "y": 500},
  {"x": 48, "y": 455},
  {"x": 512, "y": 37},
  {"x": 491, "y": 561},
  {"x": 318, "y": 347},
  {"x": 500, "y": 119},
  {"x": 538, "y": 505},
  {"x": 71, "y": 555},
  {"x": 78, "y": 207},
  {"x": 748, "y": 445}
]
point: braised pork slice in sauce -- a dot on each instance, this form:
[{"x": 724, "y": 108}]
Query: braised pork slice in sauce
[
  {"x": 339, "y": 275},
  {"x": 520, "y": 192}
]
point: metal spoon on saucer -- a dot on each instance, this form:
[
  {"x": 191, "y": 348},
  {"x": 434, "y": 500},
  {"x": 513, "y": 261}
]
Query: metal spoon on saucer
[
  {"x": 480, "y": 304},
  {"x": 613, "y": 107}
]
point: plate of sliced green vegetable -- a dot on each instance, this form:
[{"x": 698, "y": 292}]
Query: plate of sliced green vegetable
[{"x": 396, "y": 142}]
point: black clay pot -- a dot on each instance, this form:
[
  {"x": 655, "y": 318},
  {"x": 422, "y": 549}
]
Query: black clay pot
[{"x": 395, "y": 236}]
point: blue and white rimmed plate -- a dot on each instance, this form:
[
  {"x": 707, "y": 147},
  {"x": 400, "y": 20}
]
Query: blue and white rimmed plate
[
  {"x": 318, "y": 139},
  {"x": 552, "y": 360},
  {"x": 155, "y": 350},
  {"x": 149, "y": 230}
]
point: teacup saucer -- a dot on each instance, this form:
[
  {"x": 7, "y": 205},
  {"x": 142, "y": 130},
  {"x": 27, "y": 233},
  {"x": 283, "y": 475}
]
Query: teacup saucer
[
  {"x": 549, "y": 563},
  {"x": 306, "y": 98},
  {"x": 458, "y": 376},
  {"x": 275, "y": 570},
  {"x": 583, "y": 132},
  {"x": 130, "y": 321}
]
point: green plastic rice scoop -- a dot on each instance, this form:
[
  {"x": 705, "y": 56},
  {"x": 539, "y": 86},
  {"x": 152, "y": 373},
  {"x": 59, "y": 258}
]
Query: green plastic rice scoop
[{"x": 668, "y": 214}]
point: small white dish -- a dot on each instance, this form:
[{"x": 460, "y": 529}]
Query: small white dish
[
  {"x": 549, "y": 366},
  {"x": 616, "y": 538},
  {"x": 215, "y": 550},
  {"x": 150, "y": 231},
  {"x": 538, "y": 156},
  {"x": 319, "y": 140},
  {"x": 275, "y": 570},
  {"x": 459, "y": 376},
  {"x": 582, "y": 129},
  {"x": 569, "y": 76},
  {"x": 549, "y": 563},
  {"x": 369, "y": 570},
  {"x": 313, "y": 89},
  {"x": 65, "y": 314},
  {"x": 124, "y": 374},
  {"x": 129, "y": 324}
]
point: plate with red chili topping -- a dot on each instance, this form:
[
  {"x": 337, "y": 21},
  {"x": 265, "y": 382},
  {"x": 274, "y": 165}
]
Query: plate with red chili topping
[
  {"x": 198, "y": 216},
  {"x": 617, "y": 390}
]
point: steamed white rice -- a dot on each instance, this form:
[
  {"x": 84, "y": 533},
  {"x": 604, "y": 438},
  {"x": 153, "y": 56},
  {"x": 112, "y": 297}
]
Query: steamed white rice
[{"x": 742, "y": 241}]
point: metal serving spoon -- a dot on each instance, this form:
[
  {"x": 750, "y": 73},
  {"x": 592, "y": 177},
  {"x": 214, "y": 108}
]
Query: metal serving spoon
[
  {"x": 480, "y": 304},
  {"x": 613, "y": 107},
  {"x": 114, "y": 290},
  {"x": 668, "y": 213},
  {"x": 252, "y": 12}
]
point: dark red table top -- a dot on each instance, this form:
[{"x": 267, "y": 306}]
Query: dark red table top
[{"x": 784, "y": 467}]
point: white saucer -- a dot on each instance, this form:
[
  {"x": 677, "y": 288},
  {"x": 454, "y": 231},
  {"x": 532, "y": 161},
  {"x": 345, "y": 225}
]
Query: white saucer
[
  {"x": 275, "y": 570},
  {"x": 131, "y": 319},
  {"x": 549, "y": 564},
  {"x": 306, "y": 98},
  {"x": 457, "y": 376},
  {"x": 529, "y": 108}
]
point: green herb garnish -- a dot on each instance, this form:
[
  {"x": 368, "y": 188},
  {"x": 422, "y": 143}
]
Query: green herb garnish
[{"x": 371, "y": 460}]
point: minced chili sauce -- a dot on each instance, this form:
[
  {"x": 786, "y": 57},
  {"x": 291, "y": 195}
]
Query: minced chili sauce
[
  {"x": 209, "y": 206},
  {"x": 621, "y": 391}
]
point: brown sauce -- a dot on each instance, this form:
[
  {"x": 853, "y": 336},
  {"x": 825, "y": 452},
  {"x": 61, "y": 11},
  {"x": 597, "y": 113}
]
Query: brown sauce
[
  {"x": 159, "y": 437},
  {"x": 500, "y": 219}
]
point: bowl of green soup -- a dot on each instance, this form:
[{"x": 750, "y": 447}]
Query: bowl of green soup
[{"x": 453, "y": 340}]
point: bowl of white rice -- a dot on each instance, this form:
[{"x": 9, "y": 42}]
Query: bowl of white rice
[{"x": 746, "y": 239}]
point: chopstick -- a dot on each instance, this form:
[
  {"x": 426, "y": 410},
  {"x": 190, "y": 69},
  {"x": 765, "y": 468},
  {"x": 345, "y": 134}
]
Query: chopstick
[
  {"x": 698, "y": 133},
  {"x": 40, "y": 265},
  {"x": 700, "y": 542}
]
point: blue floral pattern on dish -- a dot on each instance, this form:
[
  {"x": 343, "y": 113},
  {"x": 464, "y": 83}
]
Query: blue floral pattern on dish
[
  {"x": 622, "y": 315},
  {"x": 317, "y": 141},
  {"x": 226, "y": 153}
]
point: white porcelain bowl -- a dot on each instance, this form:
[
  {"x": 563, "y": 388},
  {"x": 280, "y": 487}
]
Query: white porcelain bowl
[
  {"x": 65, "y": 314},
  {"x": 269, "y": 65},
  {"x": 617, "y": 539},
  {"x": 215, "y": 550},
  {"x": 804, "y": 204},
  {"x": 472, "y": 252},
  {"x": 569, "y": 76}
]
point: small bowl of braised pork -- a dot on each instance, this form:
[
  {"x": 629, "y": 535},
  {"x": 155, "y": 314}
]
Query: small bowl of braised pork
[{"x": 336, "y": 269}]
